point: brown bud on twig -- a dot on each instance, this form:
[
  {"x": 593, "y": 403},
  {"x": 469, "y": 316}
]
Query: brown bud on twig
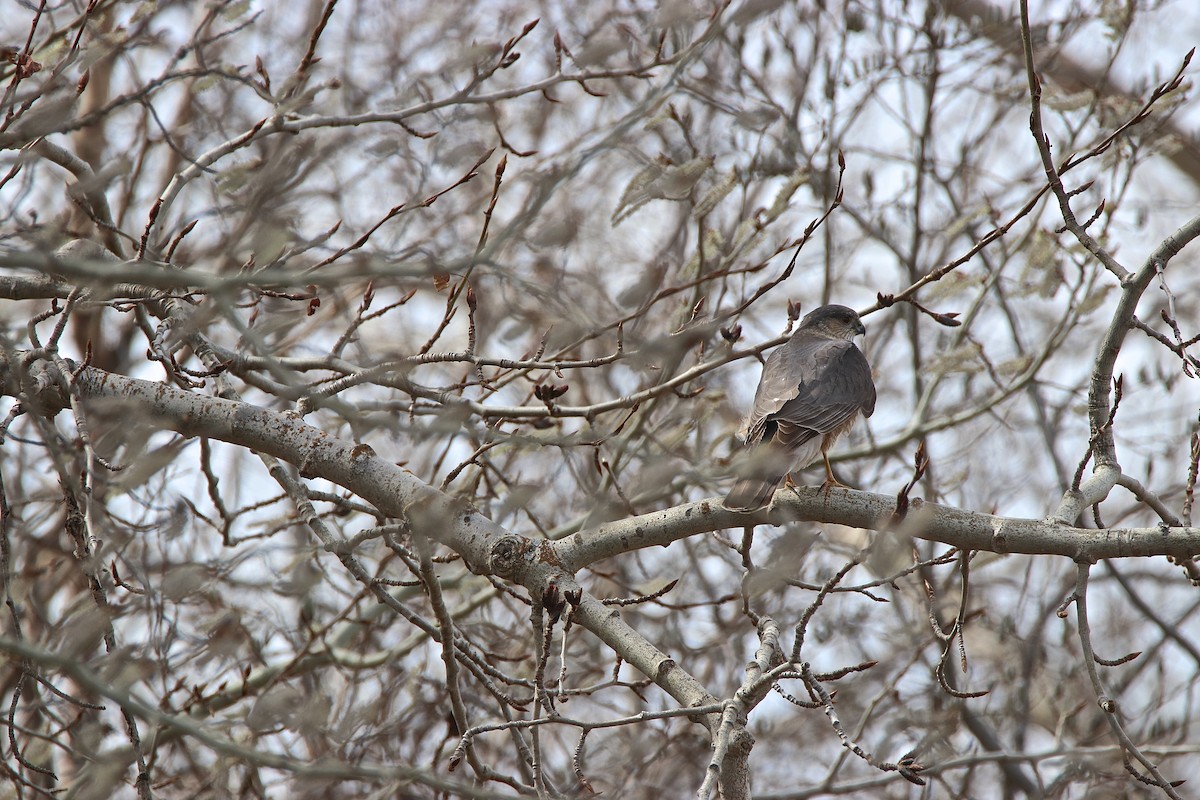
[
  {"x": 550, "y": 391},
  {"x": 908, "y": 767},
  {"x": 949, "y": 318},
  {"x": 261, "y": 69},
  {"x": 920, "y": 465},
  {"x": 552, "y": 601},
  {"x": 25, "y": 65}
]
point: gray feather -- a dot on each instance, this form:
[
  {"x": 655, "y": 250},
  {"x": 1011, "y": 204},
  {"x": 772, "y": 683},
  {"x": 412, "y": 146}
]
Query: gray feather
[{"x": 813, "y": 386}]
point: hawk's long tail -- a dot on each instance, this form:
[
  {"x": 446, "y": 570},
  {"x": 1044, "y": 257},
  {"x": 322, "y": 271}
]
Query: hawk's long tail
[{"x": 749, "y": 494}]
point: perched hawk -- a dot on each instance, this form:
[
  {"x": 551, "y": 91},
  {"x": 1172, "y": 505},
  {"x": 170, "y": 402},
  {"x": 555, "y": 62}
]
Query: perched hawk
[{"x": 812, "y": 390}]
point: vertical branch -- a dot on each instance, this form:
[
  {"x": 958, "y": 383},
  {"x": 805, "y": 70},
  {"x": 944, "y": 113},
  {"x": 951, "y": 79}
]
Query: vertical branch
[
  {"x": 1107, "y": 704},
  {"x": 1189, "y": 494},
  {"x": 1052, "y": 172},
  {"x": 87, "y": 557},
  {"x": 297, "y": 79},
  {"x": 1107, "y": 470},
  {"x": 446, "y": 625}
]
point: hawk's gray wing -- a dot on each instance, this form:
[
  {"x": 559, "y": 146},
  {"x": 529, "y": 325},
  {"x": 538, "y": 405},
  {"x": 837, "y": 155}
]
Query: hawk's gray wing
[
  {"x": 810, "y": 386},
  {"x": 811, "y": 391}
]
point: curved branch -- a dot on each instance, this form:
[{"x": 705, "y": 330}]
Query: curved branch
[
  {"x": 486, "y": 547},
  {"x": 1122, "y": 323}
]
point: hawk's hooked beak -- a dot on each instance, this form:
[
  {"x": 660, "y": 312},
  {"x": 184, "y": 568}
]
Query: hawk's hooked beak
[{"x": 860, "y": 328}]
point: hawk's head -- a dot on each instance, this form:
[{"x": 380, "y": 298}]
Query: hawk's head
[{"x": 834, "y": 321}]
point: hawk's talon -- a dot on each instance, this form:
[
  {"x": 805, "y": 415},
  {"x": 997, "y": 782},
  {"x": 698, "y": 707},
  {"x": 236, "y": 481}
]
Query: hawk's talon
[
  {"x": 791, "y": 485},
  {"x": 832, "y": 483}
]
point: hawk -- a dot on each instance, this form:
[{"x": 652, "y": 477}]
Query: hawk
[{"x": 812, "y": 390}]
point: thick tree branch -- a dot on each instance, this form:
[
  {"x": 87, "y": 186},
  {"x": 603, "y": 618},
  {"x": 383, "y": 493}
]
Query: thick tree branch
[
  {"x": 485, "y": 546},
  {"x": 967, "y": 530},
  {"x": 1122, "y": 323},
  {"x": 488, "y": 547}
]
